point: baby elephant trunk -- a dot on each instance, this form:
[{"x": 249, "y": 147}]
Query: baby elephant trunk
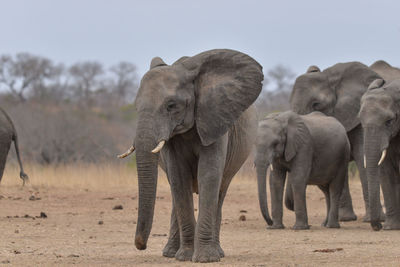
[{"x": 262, "y": 192}]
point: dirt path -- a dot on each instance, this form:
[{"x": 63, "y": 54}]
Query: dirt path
[{"x": 82, "y": 228}]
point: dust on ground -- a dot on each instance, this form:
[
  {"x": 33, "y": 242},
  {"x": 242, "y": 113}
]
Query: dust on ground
[{"x": 87, "y": 216}]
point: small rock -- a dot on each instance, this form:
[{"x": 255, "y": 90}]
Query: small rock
[
  {"x": 118, "y": 207},
  {"x": 33, "y": 198},
  {"x": 242, "y": 218},
  {"x": 108, "y": 198},
  {"x": 5, "y": 262},
  {"x": 43, "y": 215},
  {"x": 243, "y": 211},
  {"x": 16, "y": 252},
  {"x": 16, "y": 231},
  {"x": 100, "y": 222},
  {"x": 73, "y": 256}
]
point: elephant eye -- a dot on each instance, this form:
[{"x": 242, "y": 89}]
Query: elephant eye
[
  {"x": 171, "y": 106},
  {"x": 315, "y": 105},
  {"x": 389, "y": 123}
]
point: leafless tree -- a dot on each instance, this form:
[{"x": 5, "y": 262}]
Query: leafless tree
[
  {"x": 20, "y": 73},
  {"x": 278, "y": 83},
  {"x": 85, "y": 80}
]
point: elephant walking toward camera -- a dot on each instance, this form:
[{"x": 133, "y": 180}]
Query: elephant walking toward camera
[
  {"x": 313, "y": 149},
  {"x": 380, "y": 119},
  {"x": 8, "y": 134},
  {"x": 195, "y": 117}
]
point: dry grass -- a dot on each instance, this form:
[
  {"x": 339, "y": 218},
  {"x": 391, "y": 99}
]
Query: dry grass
[
  {"x": 100, "y": 177},
  {"x": 80, "y": 176}
]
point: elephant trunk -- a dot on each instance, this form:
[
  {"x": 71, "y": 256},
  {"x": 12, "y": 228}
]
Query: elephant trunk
[
  {"x": 373, "y": 151},
  {"x": 147, "y": 168},
  {"x": 262, "y": 191}
]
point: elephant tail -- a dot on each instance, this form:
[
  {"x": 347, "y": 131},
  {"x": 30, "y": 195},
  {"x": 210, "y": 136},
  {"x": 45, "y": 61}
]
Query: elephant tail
[
  {"x": 262, "y": 193},
  {"x": 289, "y": 203}
]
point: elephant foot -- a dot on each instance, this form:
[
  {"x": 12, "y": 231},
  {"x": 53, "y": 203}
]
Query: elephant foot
[
  {"x": 391, "y": 224},
  {"x": 301, "y": 227},
  {"x": 207, "y": 253},
  {"x": 367, "y": 217},
  {"x": 184, "y": 254},
  {"x": 276, "y": 226},
  {"x": 346, "y": 215},
  {"x": 376, "y": 226},
  {"x": 332, "y": 225},
  {"x": 171, "y": 248},
  {"x": 220, "y": 251}
]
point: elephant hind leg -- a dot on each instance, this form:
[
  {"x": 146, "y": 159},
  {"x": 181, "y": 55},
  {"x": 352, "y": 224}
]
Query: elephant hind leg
[
  {"x": 4, "y": 148},
  {"x": 325, "y": 190}
]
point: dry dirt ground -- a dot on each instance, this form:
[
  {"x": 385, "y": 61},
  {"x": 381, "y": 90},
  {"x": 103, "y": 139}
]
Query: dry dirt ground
[{"x": 82, "y": 228}]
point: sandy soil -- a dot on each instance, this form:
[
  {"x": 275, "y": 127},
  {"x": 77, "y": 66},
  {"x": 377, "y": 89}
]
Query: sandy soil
[{"x": 82, "y": 228}]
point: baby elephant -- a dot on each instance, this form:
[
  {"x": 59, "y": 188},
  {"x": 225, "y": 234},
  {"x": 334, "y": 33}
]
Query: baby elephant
[{"x": 314, "y": 149}]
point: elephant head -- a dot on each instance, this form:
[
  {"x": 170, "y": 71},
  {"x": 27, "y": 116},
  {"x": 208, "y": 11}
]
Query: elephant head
[
  {"x": 279, "y": 137},
  {"x": 206, "y": 92},
  {"x": 379, "y": 115},
  {"x": 336, "y": 91}
]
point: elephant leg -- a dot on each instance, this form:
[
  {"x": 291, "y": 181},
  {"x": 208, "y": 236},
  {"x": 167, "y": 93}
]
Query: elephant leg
[
  {"x": 179, "y": 177},
  {"x": 4, "y": 149},
  {"x": 173, "y": 243},
  {"x": 390, "y": 195},
  {"x": 357, "y": 142},
  {"x": 325, "y": 190},
  {"x": 335, "y": 192},
  {"x": 210, "y": 171},
  {"x": 276, "y": 184},
  {"x": 299, "y": 196}
]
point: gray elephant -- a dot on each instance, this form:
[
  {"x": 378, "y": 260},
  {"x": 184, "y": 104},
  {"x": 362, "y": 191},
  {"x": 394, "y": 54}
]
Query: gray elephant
[
  {"x": 337, "y": 92},
  {"x": 314, "y": 150},
  {"x": 197, "y": 113},
  {"x": 380, "y": 119},
  {"x": 7, "y": 135}
]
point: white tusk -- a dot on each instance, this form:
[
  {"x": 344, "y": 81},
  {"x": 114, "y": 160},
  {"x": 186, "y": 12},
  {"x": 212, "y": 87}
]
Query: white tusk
[
  {"x": 365, "y": 162},
  {"x": 382, "y": 157},
  {"x": 158, "y": 147},
  {"x": 127, "y": 153},
  {"x": 271, "y": 167}
]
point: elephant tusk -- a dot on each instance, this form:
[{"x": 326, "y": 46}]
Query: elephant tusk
[
  {"x": 382, "y": 157},
  {"x": 365, "y": 162},
  {"x": 158, "y": 147},
  {"x": 271, "y": 167},
  {"x": 127, "y": 153}
]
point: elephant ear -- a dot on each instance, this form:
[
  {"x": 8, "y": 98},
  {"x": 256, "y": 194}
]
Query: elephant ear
[
  {"x": 296, "y": 136},
  {"x": 313, "y": 68},
  {"x": 226, "y": 83},
  {"x": 157, "y": 62},
  {"x": 350, "y": 81},
  {"x": 376, "y": 84}
]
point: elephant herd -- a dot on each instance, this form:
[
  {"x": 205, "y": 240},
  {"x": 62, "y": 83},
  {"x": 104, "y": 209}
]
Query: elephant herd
[{"x": 197, "y": 121}]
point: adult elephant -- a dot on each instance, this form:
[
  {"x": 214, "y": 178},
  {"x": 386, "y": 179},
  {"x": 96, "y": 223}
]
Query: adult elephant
[
  {"x": 337, "y": 91},
  {"x": 8, "y": 134},
  {"x": 197, "y": 113},
  {"x": 380, "y": 119}
]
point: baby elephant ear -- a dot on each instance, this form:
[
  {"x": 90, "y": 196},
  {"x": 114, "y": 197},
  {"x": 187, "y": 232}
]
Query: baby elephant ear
[
  {"x": 376, "y": 84},
  {"x": 156, "y": 62},
  {"x": 313, "y": 68},
  {"x": 297, "y": 135}
]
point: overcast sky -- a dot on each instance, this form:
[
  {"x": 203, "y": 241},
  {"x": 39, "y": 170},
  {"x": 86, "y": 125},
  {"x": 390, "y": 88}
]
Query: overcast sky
[{"x": 293, "y": 33}]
